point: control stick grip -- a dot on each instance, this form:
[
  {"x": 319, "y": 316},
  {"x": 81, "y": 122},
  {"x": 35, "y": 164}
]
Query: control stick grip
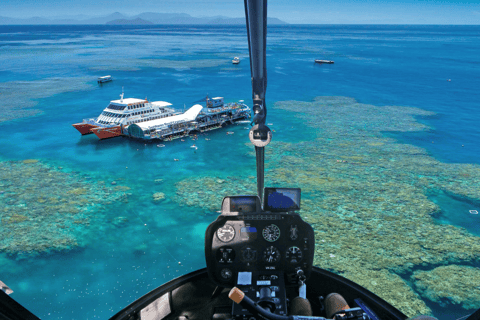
[{"x": 236, "y": 295}]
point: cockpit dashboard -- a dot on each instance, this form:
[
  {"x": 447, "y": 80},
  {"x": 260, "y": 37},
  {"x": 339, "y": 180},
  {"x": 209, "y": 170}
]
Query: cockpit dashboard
[{"x": 246, "y": 239}]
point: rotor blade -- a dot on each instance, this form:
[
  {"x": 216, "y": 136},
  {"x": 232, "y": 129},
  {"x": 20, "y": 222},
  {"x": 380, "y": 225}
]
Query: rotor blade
[{"x": 256, "y": 16}]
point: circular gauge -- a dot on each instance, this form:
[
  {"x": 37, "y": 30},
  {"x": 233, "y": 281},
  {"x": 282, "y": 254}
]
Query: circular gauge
[
  {"x": 271, "y": 255},
  {"x": 271, "y": 233},
  {"x": 226, "y": 233},
  {"x": 226, "y": 274},
  {"x": 249, "y": 254},
  {"x": 225, "y": 255},
  {"x": 293, "y": 255}
]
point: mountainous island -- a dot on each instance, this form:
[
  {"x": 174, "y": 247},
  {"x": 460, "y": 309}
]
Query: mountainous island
[{"x": 146, "y": 18}]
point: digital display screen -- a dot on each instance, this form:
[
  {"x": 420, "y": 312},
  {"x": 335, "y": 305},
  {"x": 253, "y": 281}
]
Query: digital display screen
[
  {"x": 282, "y": 199},
  {"x": 243, "y": 204},
  {"x": 248, "y": 233}
]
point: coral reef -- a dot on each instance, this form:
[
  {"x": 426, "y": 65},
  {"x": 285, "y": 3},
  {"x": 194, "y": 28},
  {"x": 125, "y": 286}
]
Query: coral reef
[
  {"x": 158, "y": 196},
  {"x": 19, "y": 98},
  {"x": 138, "y": 64},
  {"x": 208, "y": 192},
  {"x": 463, "y": 287},
  {"x": 366, "y": 195},
  {"x": 390, "y": 287},
  {"x": 44, "y": 210}
]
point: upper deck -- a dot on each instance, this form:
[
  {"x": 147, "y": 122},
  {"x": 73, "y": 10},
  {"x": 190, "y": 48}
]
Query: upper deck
[{"x": 128, "y": 101}]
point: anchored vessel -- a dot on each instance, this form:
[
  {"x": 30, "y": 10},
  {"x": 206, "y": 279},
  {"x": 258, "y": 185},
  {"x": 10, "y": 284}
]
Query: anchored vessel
[
  {"x": 139, "y": 118},
  {"x": 124, "y": 112},
  {"x": 104, "y": 79},
  {"x": 217, "y": 114}
]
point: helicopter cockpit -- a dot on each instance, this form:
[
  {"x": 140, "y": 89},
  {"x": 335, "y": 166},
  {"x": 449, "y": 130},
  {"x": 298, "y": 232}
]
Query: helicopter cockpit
[{"x": 259, "y": 252}]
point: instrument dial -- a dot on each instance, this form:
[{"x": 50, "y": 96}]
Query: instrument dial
[
  {"x": 271, "y": 233},
  {"x": 293, "y": 254},
  {"x": 249, "y": 254},
  {"x": 226, "y": 273},
  {"x": 226, "y": 233},
  {"x": 271, "y": 255},
  {"x": 225, "y": 255}
]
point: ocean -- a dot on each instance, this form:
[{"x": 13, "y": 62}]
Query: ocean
[{"x": 383, "y": 143}]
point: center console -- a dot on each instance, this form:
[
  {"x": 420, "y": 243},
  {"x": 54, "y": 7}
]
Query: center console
[{"x": 260, "y": 252}]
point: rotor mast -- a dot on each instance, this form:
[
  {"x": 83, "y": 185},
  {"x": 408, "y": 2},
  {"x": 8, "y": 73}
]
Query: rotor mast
[{"x": 260, "y": 135}]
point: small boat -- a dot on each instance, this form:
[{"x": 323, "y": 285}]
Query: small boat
[
  {"x": 236, "y": 60},
  {"x": 104, "y": 79},
  {"x": 324, "y": 61},
  {"x": 230, "y": 132},
  {"x": 160, "y": 145}
]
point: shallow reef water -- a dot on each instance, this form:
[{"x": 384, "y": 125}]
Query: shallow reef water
[
  {"x": 19, "y": 98},
  {"x": 463, "y": 287},
  {"x": 138, "y": 64},
  {"x": 44, "y": 209},
  {"x": 89, "y": 226},
  {"x": 367, "y": 197}
]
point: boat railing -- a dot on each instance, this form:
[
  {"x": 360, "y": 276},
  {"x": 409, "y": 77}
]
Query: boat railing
[{"x": 89, "y": 121}]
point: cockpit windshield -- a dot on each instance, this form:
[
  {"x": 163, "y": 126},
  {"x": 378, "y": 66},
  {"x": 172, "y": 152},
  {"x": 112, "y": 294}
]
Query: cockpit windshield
[{"x": 377, "y": 124}]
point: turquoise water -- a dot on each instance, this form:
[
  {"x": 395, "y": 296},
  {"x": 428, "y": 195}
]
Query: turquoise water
[{"x": 121, "y": 243}]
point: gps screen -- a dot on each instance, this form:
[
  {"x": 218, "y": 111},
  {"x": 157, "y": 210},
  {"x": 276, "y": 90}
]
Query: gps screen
[{"x": 282, "y": 199}]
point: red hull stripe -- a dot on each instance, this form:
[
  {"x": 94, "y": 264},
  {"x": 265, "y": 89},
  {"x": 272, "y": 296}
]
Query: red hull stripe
[
  {"x": 105, "y": 133},
  {"x": 84, "y": 128}
]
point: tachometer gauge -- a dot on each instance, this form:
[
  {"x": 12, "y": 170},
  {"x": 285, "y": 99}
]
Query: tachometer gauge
[
  {"x": 271, "y": 233},
  {"x": 293, "y": 255},
  {"x": 226, "y": 233},
  {"x": 271, "y": 255}
]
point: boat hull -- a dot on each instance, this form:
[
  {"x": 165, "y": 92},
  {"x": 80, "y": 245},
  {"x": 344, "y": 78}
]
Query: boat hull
[
  {"x": 84, "y": 128},
  {"x": 107, "y": 132}
]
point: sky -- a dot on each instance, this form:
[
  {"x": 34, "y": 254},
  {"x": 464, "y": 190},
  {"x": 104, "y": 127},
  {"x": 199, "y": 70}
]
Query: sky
[{"x": 291, "y": 11}]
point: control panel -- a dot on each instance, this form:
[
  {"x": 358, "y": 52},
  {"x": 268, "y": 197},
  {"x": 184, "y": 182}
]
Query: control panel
[
  {"x": 266, "y": 288},
  {"x": 263, "y": 243}
]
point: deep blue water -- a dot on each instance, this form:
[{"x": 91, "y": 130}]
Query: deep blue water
[{"x": 435, "y": 68}]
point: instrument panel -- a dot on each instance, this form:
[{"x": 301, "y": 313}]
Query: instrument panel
[{"x": 258, "y": 242}]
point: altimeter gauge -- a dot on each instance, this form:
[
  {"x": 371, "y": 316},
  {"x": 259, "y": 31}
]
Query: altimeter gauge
[
  {"x": 271, "y": 233},
  {"x": 226, "y": 233},
  {"x": 271, "y": 255}
]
